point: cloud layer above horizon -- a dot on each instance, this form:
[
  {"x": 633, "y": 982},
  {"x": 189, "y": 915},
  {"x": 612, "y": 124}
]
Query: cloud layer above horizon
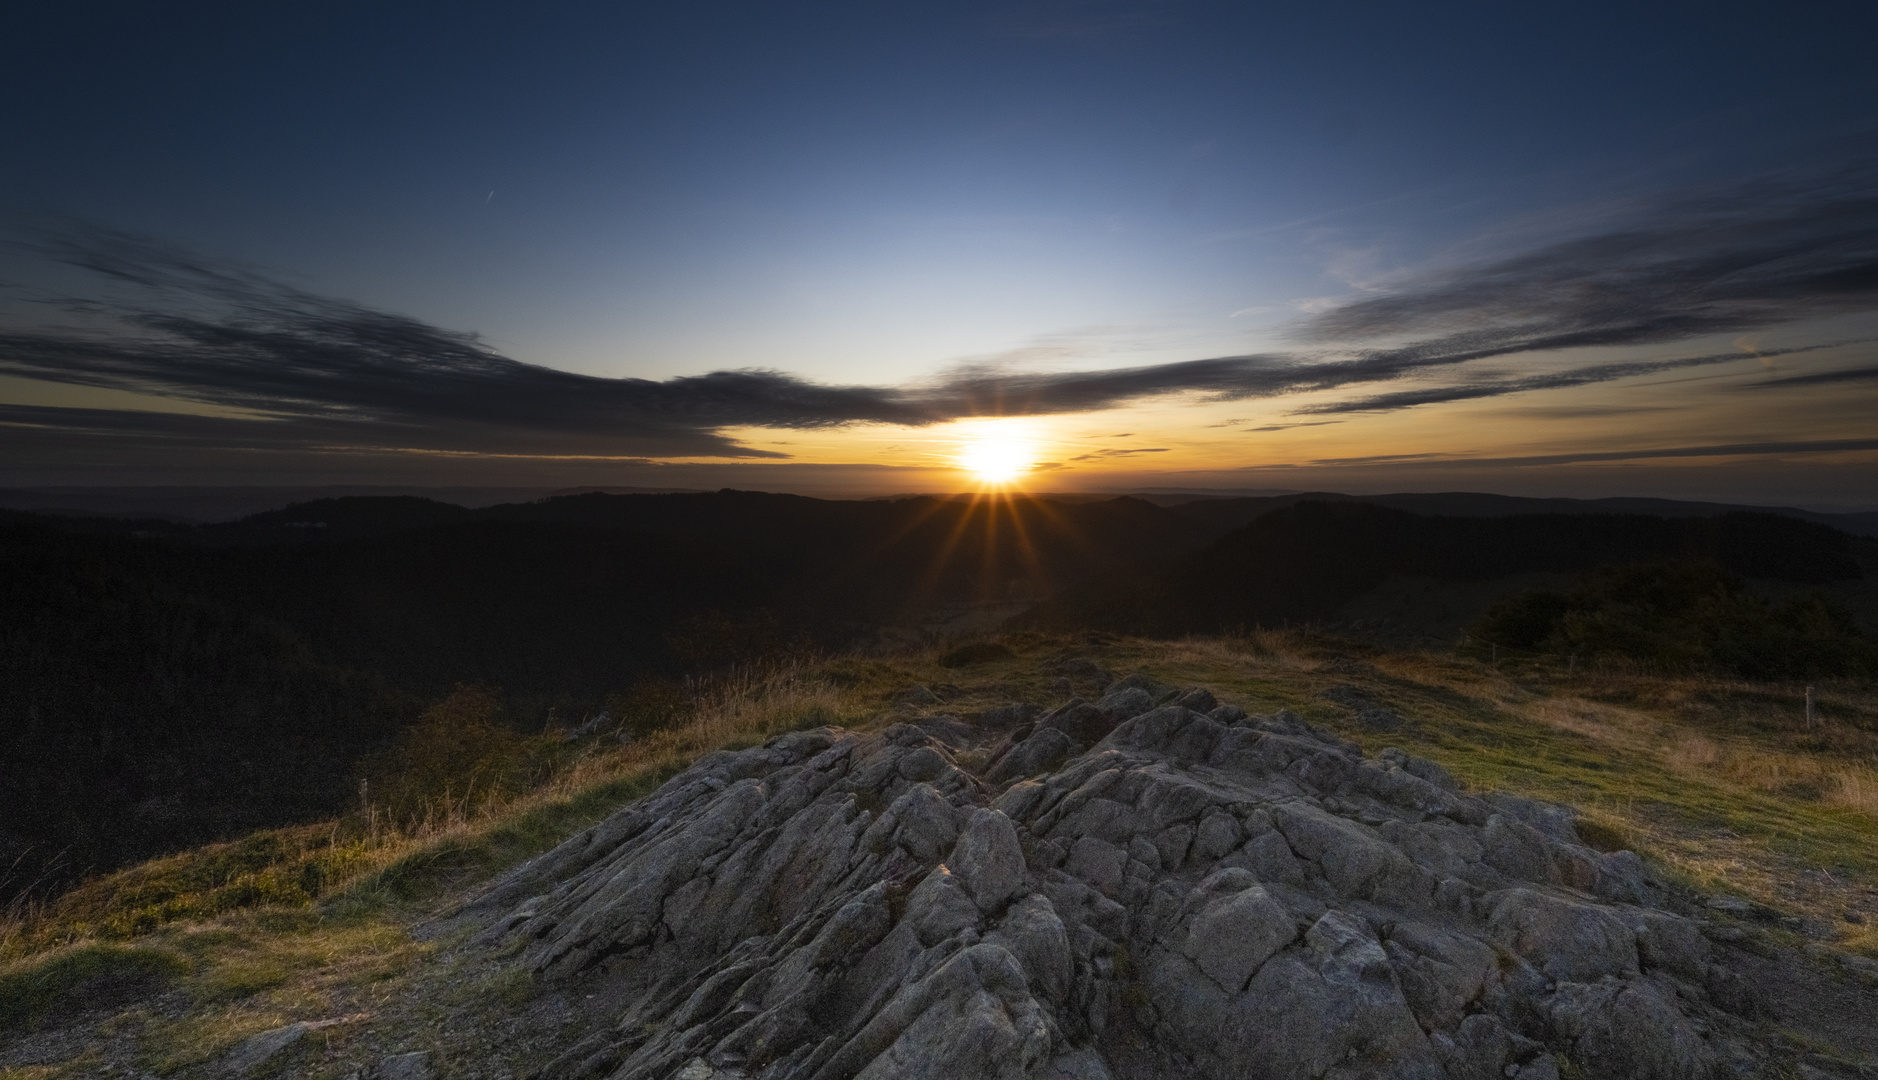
[{"x": 290, "y": 369}]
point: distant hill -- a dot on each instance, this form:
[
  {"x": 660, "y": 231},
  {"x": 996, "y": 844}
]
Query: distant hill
[
  {"x": 164, "y": 683},
  {"x": 210, "y": 504},
  {"x": 1304, "y": 561},
  {"x": 1228, "y": 512},
  {"x": 141, "y": 712}
]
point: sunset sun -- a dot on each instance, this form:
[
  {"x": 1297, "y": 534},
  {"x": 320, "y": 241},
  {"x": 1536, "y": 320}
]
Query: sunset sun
[{"x": 996, "y": 460}]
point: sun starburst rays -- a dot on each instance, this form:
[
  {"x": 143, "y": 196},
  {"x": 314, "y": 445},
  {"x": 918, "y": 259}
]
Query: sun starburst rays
[{"x": 997, "y": 457}]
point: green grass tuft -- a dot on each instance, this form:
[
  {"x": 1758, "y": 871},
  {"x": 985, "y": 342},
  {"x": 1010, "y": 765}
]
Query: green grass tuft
[
  {"x": 89, "y": 976},
  {"x": 1716, "y": 781}
]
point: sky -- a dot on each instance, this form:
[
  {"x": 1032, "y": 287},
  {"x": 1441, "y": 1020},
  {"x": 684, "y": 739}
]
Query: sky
[{"x": 1585, "y": 250}]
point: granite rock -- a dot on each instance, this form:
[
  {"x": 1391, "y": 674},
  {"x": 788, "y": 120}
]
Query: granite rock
[{"x": 1191, "y": 891}]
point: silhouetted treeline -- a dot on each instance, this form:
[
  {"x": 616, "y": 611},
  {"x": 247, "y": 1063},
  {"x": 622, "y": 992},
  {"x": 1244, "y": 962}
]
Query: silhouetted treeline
[
  {"x": 165, "y": 684},
  {"x": 162, "y": 685},
  {"x": 1230, "y": 513},
  {"x": 139, "y": 712},
  {"x": 1683, "y": 615},
  {"x": 1301, "y": 563}
]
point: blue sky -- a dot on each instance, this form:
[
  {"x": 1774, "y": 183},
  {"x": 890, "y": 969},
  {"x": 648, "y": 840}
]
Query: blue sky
[{"x": 885, "y": 195}]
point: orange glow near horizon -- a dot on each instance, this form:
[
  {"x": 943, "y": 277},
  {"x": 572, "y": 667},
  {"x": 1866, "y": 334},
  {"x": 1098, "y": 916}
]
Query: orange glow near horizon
[
  {"x": 997, "y": 452},
  {"x": 997, "y": 460}
]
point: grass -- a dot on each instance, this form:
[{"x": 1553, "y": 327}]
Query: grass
[
  {"x": 314, "y": 921},
  {"x": 83, "y": 974},
  {"x": 371, "y": 858},
  {"x": 1719, "y": 782}
]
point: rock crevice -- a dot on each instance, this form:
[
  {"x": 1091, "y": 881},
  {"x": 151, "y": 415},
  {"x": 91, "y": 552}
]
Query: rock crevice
[{"x": 1127, "y": 889}]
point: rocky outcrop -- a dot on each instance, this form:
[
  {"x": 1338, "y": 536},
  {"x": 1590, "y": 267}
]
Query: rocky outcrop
[{"x": 1127, "y": 889}]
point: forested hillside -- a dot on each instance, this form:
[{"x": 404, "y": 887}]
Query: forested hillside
[
  {"x": 1301, "y": 562},
  {"x": 167, "y": 684}
]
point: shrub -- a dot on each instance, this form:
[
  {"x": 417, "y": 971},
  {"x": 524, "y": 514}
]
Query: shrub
[
  {"x": 458, "y": 753},
  {"x": 1526, "y": 621},
  {"x": 1685, "y": 615}
]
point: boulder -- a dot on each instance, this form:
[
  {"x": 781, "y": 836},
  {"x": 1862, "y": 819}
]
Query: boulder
[
  {"x": 1195, "y": 892},
  {"x": 1082, "y": 722},
  {"x": 257, "y": 1050},
  {"x": 1125, "y": 703},
  {"x": 1196, "y": 699},
  {"x": 988, "y": 859},
  {"x": 1009, "y": 714},
  {"x": 1033, "y": 933},
  {"x": 1042, "y": 751},
  {"x": 1235, "y": 934},
  {"x": 1629, "y": 1028},
  {"x": 1568, "y": 939}
]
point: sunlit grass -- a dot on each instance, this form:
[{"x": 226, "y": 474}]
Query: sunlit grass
[
  {"x": 374, "y": 849},
  {"x": 1718, "y": 782},
  {"x": 303, "y": 923}
]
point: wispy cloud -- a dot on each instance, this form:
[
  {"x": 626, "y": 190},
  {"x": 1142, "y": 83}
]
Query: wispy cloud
[
  {"x": 205, "y": 332},
  {"x": 1288, "y": 427},
  {"x": 1817, "y": 378},
  {"x": 1583, "y": 411},
  {"x": 1755, "y": 449},
  {"x": 1556, "y": 380},
  {"x": 1719, "y": 260},
  {"x": 1096, "y": 455},
  {"x": 1759, "y": 254}
]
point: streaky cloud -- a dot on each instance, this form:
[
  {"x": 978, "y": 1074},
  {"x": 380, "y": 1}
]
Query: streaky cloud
[
  {"x": 1288, "y": 427},
  {"x": 1558, "y": 380},
  {"x": 1757, "y": 253},
  {"x": 1817, "y": 378},
  {"x": 1756, "y": 449},
  {"x": 209, "y": 333}
]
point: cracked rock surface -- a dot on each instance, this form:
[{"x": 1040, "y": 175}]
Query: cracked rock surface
[{"x": 1124, "y": 890}]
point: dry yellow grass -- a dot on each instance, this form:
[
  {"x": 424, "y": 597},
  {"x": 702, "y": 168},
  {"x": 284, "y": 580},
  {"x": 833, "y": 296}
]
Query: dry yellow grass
[
  {"x": 345, "y": 855},
  {"x": 1717, "y": 781},
  {"x": 1841, "y": 784},
  {"x": 277, "y": 957}
]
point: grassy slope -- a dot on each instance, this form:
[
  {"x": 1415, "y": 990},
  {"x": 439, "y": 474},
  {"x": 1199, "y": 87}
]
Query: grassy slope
[{"x": 168, "y": 965}]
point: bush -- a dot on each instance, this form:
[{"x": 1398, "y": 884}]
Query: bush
[
  {"x": 458, "y": 755},
  {"x": 1527, "y": 621},
  {"x": 1685, "y": 615}
]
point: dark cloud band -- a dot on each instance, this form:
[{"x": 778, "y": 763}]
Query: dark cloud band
[
  {"x": 1557, "y": 380},
  {"x": 1758, "y": 449},
  {"x": 332, "y": 372},
  {"x": 1817, "y": 378},
  {"x": 1751, "y": 255}
]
